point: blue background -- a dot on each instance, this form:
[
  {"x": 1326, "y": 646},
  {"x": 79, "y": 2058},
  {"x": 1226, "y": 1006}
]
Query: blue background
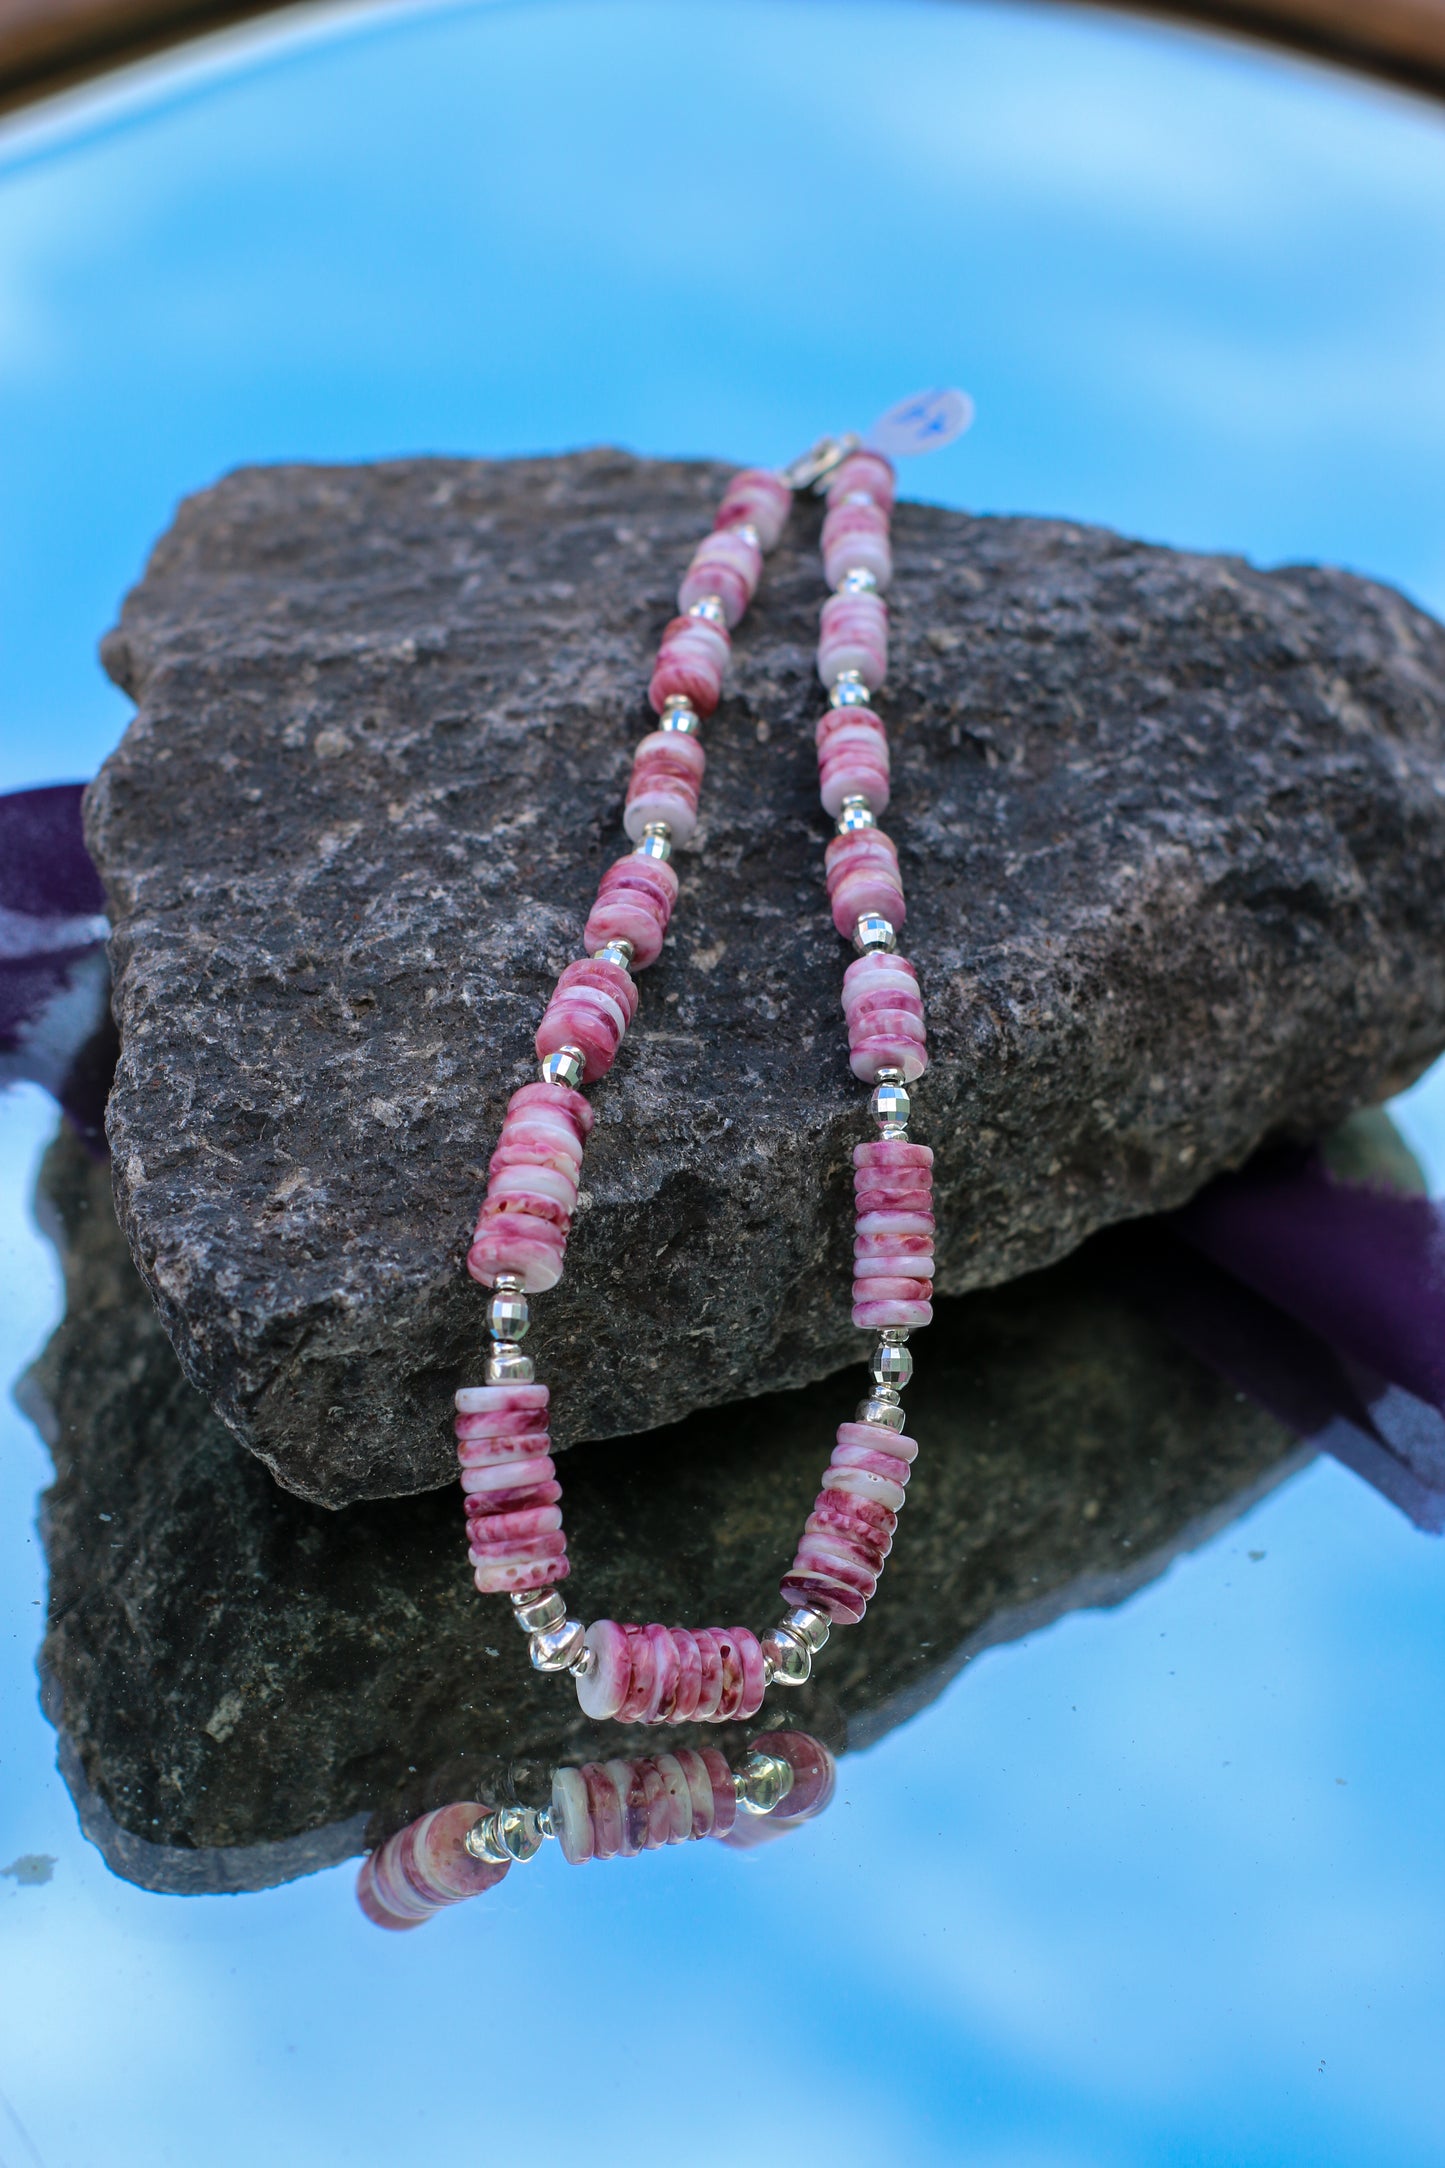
[{"x": 1161, "y": 1885}]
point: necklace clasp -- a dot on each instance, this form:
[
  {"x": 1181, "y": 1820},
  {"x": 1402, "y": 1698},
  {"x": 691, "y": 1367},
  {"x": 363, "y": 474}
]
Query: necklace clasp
[{"x": 811, "y": 468}]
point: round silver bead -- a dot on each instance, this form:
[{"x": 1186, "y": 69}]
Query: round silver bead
[
  {"x": 854, "y": 814},
  {"x": 873, "y": 932},
  {"x": 656, "y": 842},
  {"x": 507, "y": 1365},
  {"x": 882, "y": 1413},
  {"x": 858, "y": 580},
  {"x": 890, "y": 1103},
  {"x": 507, "y": 1834},
  {"x": 538, "y": 1610},
  {"x": 678, "y": 713},
  {"x": 763, "y": 1783},
  {"x": 891, "y": 1366},
  {"x": 563, "y": 1067},
  {"x": 614, "y": 952},
  {"x": 788, "y": 1658},
  {"x": 809, "y": 1625},
  {"x": 508, "y": 1314},
  {"x": 849, "y": 691},
  {"x": 710, "y": 607},
  {"x": 558, "y": 1648}
]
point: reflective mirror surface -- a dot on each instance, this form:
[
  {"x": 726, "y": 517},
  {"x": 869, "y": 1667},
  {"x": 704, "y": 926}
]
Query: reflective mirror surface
[{"x": 1132, "y": 1857}]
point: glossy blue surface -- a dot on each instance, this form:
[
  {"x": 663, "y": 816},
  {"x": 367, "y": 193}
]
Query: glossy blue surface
[{"x": 1158, "y": 1885}]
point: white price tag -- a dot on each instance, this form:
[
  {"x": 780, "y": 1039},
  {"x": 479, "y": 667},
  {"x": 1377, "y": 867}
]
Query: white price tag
[{"x": 923, "y": 423}]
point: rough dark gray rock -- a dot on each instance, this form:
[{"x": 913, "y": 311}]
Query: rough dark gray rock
[
  {"x": 1174, "y": 836},
  {"x": 245, "y": 1685}
]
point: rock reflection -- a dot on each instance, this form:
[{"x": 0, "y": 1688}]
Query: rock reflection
[{"x": 248, "y": 1687}]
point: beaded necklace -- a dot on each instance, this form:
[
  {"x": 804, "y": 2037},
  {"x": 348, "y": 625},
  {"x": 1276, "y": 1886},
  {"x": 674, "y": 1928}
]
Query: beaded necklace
[{"x": 654, "y": 1674}]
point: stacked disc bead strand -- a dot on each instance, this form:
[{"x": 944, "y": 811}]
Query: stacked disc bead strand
[
  {"x": 603, "y": 1810},
  {"x": 514, "y": 1519},
  {"x": 850, "y": 1530}
]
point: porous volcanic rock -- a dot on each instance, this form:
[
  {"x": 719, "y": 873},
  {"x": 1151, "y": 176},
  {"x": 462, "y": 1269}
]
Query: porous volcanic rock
[
  {"x": 1174, "y": 838},
  {"x": 247, "y": 1687}
]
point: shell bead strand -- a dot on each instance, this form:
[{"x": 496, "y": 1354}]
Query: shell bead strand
[{"x": 653, "y": 1673}]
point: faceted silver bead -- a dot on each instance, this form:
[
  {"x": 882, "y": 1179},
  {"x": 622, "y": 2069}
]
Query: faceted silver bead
[
  {"x": 786, "y": 1655},
  {"x": 656, "y": 842},
  {"x": 883, "y": 1414},
  {"x": 558, "y": 1648},
  {"x": 749, "y": 533},
  {"x": 811, "y": 1626},
  {"x": 614, "y": 952},
  {"x": 855, "y": 813},
  {"x": 678, "y": 713},
  {"x": 858, "y": 580},
  {"x": 508, "y": 1315},
  {"x": 763, "y": 1782},
  {"x": 538, "y": 1611},
  {"x": 849, "y": 691},
  {"x": 891, "y": 1366},
  {"x": 563, "y": 1067},
  {"x": 890, "y": 1103},
  {"x": 709, "y": 607},
  {"x": 507, "y": 1834},
  {"x": 507, "y": 1365},
  {"x": 873, "y": 932}
]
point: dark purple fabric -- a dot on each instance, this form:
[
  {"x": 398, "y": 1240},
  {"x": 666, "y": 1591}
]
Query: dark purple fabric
[
  {"x": 1363, "y": 1268},
  {"x": 45, "y": 869}
]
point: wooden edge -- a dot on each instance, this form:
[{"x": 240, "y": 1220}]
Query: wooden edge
[{"x": 51, "y": 45}]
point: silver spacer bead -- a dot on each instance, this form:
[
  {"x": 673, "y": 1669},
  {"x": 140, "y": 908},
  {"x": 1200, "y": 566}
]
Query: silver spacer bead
[
  {"x": 507, "y": 1834},
  {"x": 507, "y": 1365},
  {"x": 881, "y": 1410},
  {"x": 563, "y": 1067},
  {"x": 709, "y": 607},
  {"x": 656, "y": 842},
  {"x": 678, "y": 713},
  {"x": 873, "y": 932},
  {"x": 749, "y": 533},
  {"x": 584, "y": 1661},
  {"x": 857, "y": 580},
  {"x": 855, "y": 813},
  {"x": 787, "y": 1658},
  {"x": 763, "y": 1783},
  {"x": 558, "y": 1648},
  {"x": 614, "y": 952},
  {"x": 810, "y": 1626},
  {"x": 891, "y": 1366},
  {"x": 890, "y": 1103},
  {"x": 508, "y": 1314},
  {"x": 849, "y": 691},
  {"x": 538, "y": 1610}
]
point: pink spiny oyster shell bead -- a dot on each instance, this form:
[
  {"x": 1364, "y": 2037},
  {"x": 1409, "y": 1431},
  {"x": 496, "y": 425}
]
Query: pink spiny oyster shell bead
[
  {"x": 424, "y": 1868},
  {"x": 855, "y": 539},
  {"x": 690, "y": 664},
  {"x": 671, "y": 1674},
  {"x": 532, "y": 1189},
  {"x": 865, "y": 474},
  {"x": 667, "y": 772},
  {"x": 591, "y": 1008},
  {"x": 884, "y": 1010},
  {"x": 849, "y": 1532},
  {"x": 616, "y": 1809},
  {"x": 635, "y": 898},
  {"x": 853, "y": 635},
  {"x": 862, "y": 874},
  {"x": 853, "y": 759},
  {"x": 726, "y": 564},
  {"x": 893, "y": 1240},
  {"x": 757, "y": 499},
  {"x": 509, "y": 1488}
]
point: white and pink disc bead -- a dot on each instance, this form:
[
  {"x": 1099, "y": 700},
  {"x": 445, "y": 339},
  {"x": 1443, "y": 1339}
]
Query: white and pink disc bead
[
  {"x": 854, "y": 636},
  {"x": 667, "y": 773}
]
